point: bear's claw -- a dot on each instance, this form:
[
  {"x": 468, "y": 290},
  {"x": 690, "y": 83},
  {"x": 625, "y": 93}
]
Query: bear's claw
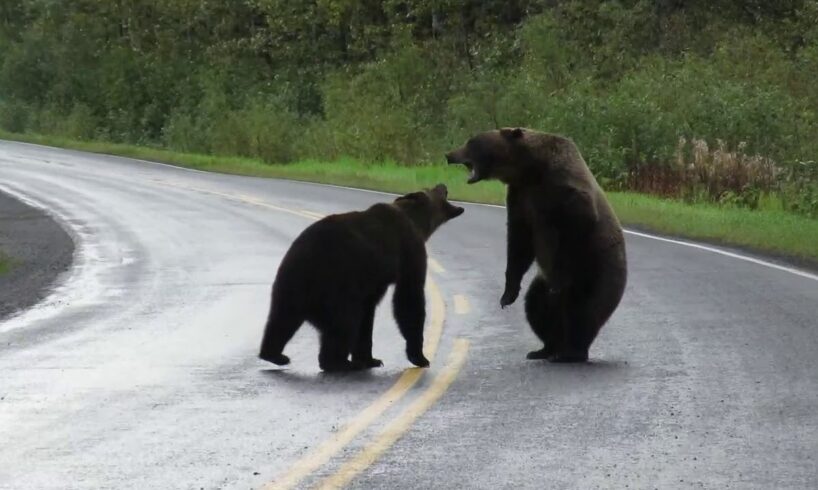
[
  {"x": 509, "y": 297},
  {"x": 419, "y": 360}
]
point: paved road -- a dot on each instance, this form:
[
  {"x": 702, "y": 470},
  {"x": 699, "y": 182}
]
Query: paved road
[{"x": 140, "y": 370}]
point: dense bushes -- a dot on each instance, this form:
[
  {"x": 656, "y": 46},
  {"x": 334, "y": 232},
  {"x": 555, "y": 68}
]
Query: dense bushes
[{"x": 404, "y": 81}]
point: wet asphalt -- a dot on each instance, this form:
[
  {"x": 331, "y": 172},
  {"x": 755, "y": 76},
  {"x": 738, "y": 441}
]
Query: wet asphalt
[
  {"x": 139, "y": 369},
  {"x": 39, "y": 250}
]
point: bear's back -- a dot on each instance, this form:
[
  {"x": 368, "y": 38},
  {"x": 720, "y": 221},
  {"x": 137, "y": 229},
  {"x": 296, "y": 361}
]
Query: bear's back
[
  {"x": 566, "y": 166},
  {"x": 351, "y": 250}
]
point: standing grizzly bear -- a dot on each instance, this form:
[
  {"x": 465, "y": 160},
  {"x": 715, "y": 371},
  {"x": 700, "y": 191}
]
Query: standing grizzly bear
[
  {"x": 336, "y": 272},
  {"x": 558, "y": 216}
]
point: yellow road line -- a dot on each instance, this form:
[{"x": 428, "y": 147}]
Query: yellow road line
[
  {"x": 239, "y": 198},
  {"x": 461, "y": 304},
  {"x": 437, "y": 315},
  {"x": 317, "y": 458},
  {"x": 398, "y": 427},
  {"x": 313, "y": 214},
  {"x": 435, "y": 266}
]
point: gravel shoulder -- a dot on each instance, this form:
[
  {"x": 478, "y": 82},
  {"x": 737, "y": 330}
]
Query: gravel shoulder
[{"x": 39, "y": 250}]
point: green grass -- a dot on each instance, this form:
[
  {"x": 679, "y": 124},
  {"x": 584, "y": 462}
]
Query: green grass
[
  {"x": 772, "y": 231},
  {"x": 776, "y": 232},
  {"x": 5, "y": 264}
]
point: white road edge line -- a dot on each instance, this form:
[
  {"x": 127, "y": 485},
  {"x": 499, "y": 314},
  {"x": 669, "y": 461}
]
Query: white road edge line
[
  {"x": 771, "y": 265},
  {"x": 733, "y": 255}
]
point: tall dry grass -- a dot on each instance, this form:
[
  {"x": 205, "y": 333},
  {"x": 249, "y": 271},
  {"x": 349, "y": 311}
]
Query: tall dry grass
[{"x": 716, "y": 174}]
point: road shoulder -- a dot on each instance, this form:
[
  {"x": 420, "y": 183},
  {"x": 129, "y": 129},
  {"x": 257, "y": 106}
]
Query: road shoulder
[{"x": 39, "y": 250}]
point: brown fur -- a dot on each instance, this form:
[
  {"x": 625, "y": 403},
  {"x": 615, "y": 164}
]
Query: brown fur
[
  {"x": 336, "y": 272},
  {"x": 557, "y": 215}
]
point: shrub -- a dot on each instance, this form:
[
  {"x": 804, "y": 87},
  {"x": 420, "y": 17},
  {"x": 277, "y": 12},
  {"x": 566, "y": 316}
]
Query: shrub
[
  {"x": 799, "y": 188},
  {"x": 263, "y": 129},
  {"x": 80, "y": 123},
  {"x": 14, "y": 116},
  {"x": 184, "y": 132}
]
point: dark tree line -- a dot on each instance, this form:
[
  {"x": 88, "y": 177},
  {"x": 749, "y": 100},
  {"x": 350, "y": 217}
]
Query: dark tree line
[{"x": 400, "y": 80}]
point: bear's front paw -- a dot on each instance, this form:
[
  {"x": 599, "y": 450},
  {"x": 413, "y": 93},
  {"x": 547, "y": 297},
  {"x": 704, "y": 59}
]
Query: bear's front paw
[
  {"x": 543, "y": 353},
  {"x": 509, "y": 297},
  {"x": 337, "y": 366},
  {"x": 418, "y": 360},
  {"x": 367, "y": 363},
  {"x": 279, "y": 359}
]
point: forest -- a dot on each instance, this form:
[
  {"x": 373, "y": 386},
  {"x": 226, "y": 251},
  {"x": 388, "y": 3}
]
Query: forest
[{"x": 700, "y": 100}]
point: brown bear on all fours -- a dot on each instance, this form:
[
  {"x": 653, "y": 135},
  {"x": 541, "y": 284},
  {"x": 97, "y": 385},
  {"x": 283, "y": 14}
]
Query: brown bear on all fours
[
  {"x": 558, "y": 216},
  {"x": 337, "y": 271}
]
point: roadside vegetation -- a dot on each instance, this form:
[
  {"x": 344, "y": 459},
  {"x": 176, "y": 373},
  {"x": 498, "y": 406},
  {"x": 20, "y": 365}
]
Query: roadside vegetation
[
  {"x": 698, "y": 117},
  {"x": 5, "y": 264},
  {"x": 768, "y": 229}
]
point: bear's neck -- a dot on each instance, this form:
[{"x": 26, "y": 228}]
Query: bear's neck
[
  {"x": 525, "y": 175},
  {"x": 419, "y": 218}
]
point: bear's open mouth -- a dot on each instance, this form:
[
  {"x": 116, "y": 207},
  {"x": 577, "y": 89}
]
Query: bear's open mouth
[
  {"x": 473, "y": 177},
  {"x": 475, "y": 173}
]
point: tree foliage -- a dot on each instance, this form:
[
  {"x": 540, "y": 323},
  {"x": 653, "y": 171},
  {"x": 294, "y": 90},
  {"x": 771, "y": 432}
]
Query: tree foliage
[{"x": 403, "y": 80}]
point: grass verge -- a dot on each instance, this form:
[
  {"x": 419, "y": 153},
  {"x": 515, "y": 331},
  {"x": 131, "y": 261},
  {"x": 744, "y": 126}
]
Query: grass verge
[
  {"x": 770, "y": 231},
  {"x": 5, "y": 264}
]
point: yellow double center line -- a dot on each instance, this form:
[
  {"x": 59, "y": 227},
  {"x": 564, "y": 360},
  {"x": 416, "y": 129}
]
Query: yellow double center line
[
  {"x": 320, "y": 456},
  {"x": 393, "y": 431}
]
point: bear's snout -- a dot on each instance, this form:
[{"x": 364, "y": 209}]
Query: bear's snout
[{"x": 454, "y": 156}]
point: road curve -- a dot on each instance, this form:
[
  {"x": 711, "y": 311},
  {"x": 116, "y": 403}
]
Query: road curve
[{"x": 139, "y": 371}]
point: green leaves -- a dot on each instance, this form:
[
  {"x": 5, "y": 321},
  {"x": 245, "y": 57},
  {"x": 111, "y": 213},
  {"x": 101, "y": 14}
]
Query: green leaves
[{"x": 403, "y": 80}]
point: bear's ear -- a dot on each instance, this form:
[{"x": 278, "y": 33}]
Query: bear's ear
[
  {"x": 512, "y": 133},
  {"x": 441, "y": 190}
]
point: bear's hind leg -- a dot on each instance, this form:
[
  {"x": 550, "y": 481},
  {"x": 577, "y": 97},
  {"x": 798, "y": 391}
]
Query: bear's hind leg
[
  {"x": 409, "y": 309},
  {"x": 540, "y": 315},
  {"x": 334, "y": 353},
  {"x": 339, "y": 330},
  {"x": 281, "y": 326},
  {"x": 362, "y": 350},
  {"x": 588, "y": 308},
  {"x": 578, "y": 338},
  {"x": 578, "y": 330}
]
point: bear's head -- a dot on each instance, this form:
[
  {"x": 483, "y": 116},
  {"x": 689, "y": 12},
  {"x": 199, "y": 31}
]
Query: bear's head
[
  {"x": 497, "y": 154},
  {"x": 429, "y": 208}
]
